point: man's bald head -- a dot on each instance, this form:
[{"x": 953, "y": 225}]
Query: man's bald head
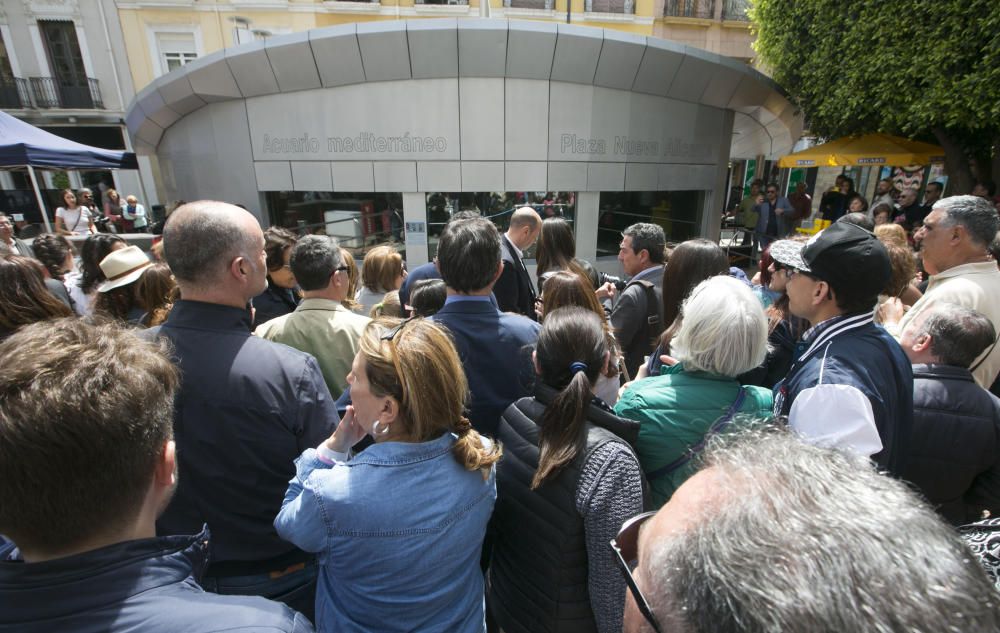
[
  {"x": 202, "y": 239},
  {"x": 525, "y": 225}
]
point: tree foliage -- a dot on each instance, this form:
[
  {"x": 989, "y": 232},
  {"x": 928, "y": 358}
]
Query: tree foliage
[{"x": 927, "y": 69}]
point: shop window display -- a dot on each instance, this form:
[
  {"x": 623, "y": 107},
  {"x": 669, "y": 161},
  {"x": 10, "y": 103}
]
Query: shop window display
[
  {"x": 496, "y": 206},
  {"x": 360, "y": 220},
  {"x": 678, "y": 212}
]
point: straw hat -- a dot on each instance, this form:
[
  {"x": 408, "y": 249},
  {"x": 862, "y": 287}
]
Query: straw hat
[{"x": 122, "y": 267}]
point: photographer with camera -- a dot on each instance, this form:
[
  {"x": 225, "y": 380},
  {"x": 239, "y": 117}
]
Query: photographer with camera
[{"x": 636, "y": 315}]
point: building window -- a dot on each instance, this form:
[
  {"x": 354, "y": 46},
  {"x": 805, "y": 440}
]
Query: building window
[
  {"x": 6, "y": 72},
  {"x": 69, "y": 86},
  {"x": 678, "y": 212},
  {"x": 176, "y": 50},
  {"x": 497, "y": 207}
]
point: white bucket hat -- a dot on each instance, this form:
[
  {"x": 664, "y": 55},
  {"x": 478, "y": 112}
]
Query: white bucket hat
[{"x": 122, "y": 267}]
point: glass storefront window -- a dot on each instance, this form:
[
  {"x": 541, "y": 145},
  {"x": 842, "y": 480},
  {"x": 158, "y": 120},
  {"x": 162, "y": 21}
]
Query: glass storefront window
[
  {"x": 678, "y": 212},
  {"x": 360, "y": 221},
  {"x": 496, "y": 206}
]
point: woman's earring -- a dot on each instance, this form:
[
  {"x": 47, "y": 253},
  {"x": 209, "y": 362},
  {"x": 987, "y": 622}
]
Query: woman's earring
[{"x": 375, "y": 430}]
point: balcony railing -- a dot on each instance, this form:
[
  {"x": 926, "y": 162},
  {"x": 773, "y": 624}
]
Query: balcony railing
[
  {"x": 50, "y": 93},
  {"x": 704, "y": 9},
  {"x": 610, "y": 6},
  {"x": 735, "y": 10},
  {"x": 14, "y": 94}
]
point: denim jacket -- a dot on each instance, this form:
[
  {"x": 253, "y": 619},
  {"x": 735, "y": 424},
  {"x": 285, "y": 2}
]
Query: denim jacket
[{"x": 399, "y": 529}]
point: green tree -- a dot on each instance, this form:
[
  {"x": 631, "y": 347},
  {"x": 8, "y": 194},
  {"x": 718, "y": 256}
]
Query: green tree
[{"x": 926, "y": 69}]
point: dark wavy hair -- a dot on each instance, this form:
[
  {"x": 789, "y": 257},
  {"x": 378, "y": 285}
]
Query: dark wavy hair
[
  {"x": 96, "y": 248},
  {"x": 25, "y": 299},
  {"x": 51, "y": 250}
]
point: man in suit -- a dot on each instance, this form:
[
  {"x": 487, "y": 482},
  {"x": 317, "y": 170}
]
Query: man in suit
[
  {"x": 514, "y": 290},
  {"x": 495, "y": 347}
]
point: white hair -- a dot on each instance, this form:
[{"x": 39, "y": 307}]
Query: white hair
[
  {"x": 723, "y": 328},
  {"x": 802, "y": 539}
]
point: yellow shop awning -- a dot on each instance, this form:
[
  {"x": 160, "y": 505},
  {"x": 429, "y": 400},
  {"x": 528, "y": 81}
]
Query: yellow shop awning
[{"x": 867, "y": 150}]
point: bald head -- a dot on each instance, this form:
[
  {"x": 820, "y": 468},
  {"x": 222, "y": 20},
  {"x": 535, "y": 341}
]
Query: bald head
[
  {"x": 203, "y": 238},
  {"x": 525, "y": 225}
]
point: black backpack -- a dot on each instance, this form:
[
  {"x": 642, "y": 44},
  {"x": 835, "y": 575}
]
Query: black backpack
[{"x": 653, "y": 326}]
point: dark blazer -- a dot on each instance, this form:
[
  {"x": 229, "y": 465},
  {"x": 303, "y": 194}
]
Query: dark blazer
[
  {"x": 246, "y": 409},
  {"x": 514, "y": 290},
  {"x": 495, "y": 349}
]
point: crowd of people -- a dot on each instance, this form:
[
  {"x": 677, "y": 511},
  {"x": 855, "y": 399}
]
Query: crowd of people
[
  {"x": 80, "y": 214},
  {"x": 765, "y": 215},
  {"x": 249, "y": 431}
]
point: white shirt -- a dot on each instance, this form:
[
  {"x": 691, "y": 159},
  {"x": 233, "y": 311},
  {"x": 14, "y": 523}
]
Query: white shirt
[
  {"x": 975, "y": 286},
  {"x": 77, "y": 221}
]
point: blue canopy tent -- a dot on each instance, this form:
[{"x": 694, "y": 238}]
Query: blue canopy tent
[{"x": 24, "y": 145}]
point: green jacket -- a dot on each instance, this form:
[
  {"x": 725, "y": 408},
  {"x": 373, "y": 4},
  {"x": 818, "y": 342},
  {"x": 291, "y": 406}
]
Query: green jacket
[{"x": 675, "y": 410}]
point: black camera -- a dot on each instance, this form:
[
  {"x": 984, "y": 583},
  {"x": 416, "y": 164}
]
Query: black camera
[{"x": 617, "y": 282}]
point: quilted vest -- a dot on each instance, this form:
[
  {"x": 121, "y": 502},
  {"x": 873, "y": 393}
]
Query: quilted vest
[{"x": 538, "y": 570}]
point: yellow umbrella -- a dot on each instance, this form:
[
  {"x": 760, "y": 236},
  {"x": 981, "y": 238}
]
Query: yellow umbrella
[{"x": 867, "y": 150}]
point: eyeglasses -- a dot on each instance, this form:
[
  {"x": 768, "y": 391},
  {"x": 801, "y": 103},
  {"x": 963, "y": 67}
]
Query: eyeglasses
[
  {"x": 340, "y": 269},
  {"x": 626, "y": 548}
]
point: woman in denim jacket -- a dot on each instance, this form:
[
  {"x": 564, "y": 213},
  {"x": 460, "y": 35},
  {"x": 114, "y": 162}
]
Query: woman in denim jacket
[{"x": 399, "y": 526}]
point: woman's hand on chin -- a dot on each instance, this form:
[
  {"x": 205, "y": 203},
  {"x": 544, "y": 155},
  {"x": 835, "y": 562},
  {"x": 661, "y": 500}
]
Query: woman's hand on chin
[{"x": 348, "y": 433}]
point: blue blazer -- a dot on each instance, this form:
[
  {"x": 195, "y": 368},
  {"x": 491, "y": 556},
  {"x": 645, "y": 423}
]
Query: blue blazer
[{"x": 495, "y": 349}]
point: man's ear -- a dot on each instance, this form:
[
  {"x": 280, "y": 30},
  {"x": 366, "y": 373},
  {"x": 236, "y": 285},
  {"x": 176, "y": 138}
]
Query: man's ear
[
  {"x": 166, "y": 465},
  {"x": 821, "y": 292},
  {"x": 922, "y": 342},
  {"x": 238, "y": 267},
  {"x": 498, "y": 272}
]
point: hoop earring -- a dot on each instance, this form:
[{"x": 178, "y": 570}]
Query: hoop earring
[{"x": 375, "y": 430}]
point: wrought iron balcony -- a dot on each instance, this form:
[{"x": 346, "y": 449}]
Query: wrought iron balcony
[
  {"x": 736, "y": 10},
  {"x": 704, "y": 9},
  {"x": 14, "y": 94},
  {"x": 610, "y": 6},
  {"x": 51, "y": 93}
]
